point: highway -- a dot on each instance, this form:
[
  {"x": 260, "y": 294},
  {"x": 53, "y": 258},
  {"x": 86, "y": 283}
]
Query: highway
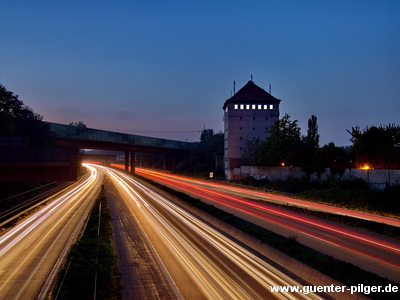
[
  {"x": 32, "y": 251},
  {"x": 274, "y": 198},
  {"x": 194, "y": 259},
  {"x": 165, "y": 249},
  {"x": 366, "y": 250}
]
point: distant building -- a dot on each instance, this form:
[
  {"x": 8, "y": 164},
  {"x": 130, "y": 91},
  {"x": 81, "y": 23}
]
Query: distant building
[{"x": 248, "y": 115}]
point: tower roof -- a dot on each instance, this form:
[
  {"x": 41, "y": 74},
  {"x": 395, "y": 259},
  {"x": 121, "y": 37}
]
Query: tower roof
[{"x": 251, "y": 92}]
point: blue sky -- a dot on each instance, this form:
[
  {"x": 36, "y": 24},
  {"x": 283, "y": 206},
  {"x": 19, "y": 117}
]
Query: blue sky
[{"x": 165, "y": 68}]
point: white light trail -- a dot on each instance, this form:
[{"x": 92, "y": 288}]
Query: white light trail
[
  {"x": 25, "y": 227},
  {"x": 213, "y": 276}
]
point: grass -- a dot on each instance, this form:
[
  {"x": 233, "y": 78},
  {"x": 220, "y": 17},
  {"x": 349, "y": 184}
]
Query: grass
[
  {"x": 353, "y": 194},
  {"x": 385, "y": 201},
  {"x": 371, "y": 226},
  {"x": 93, "y": 252},
  {"x": 343, "y": 272}
]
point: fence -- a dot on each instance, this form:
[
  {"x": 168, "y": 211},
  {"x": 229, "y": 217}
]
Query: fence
[{"x": 377, "y": 179}]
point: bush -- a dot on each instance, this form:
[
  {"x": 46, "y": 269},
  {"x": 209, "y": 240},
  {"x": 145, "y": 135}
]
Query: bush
[
  {"x": 339, "y": 270},
  {"x": 251, "y": 181},
  {"x": 355, "y": 184},
  {"x": 91, "y": 253}
]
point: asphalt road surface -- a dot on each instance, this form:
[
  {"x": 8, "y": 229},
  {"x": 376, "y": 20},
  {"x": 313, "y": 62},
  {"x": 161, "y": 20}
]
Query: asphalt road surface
[
  {"x": 167, "y": 252},
  {"x": 32, "y": 252},
  {"x": 369, "y": 251}
]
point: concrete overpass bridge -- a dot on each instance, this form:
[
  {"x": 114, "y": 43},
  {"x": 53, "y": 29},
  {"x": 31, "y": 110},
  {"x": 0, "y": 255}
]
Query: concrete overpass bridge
[
  {"x": 88, "y": 138},
  {"x": 21, "y": 163}
]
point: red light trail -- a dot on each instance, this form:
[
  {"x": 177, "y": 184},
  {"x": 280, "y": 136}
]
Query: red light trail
[
  {"x": 356, "y": 241},
  {"x": 281, "y": 199}
]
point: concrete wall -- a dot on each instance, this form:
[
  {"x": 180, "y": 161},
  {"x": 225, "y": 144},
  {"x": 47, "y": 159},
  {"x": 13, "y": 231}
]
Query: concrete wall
[
  {"x": 377, "y": 179},
  {"x": 246, "y": 124},
  {"x": 245, "y": 121}
]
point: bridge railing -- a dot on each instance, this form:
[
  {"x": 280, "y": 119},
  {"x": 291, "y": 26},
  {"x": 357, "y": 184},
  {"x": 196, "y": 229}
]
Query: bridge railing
[{"x": 84, "y": 133}]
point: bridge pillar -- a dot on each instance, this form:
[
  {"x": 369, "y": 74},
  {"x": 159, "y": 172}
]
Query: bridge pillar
[
  {"x": 169, "y": 161},
  {"x": 133, "y": 160},
  {"x": 173, "y": 162},
  {"x": 127, "y": 161},
  {"x": 164, "y": 158}
]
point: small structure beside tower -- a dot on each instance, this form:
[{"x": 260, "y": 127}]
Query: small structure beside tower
[{"x": 248, "y": 115}]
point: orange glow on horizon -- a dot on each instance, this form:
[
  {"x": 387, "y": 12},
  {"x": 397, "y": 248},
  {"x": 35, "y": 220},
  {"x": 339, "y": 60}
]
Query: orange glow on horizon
[
  {"x": 366, "y": 167},
  {"x": 91, "y": 162}
]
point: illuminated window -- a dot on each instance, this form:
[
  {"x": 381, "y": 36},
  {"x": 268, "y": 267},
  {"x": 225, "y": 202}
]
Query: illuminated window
[
  {"x": 241, "y": 106},
  {"x": 236, "y": 106},
  {"x": 247, "y": 106},
  {"x": 253, "y": 106},
  {"x": 271, "y": 106},
  {"x": 259, "y": 106},
  {"x": 265, "y": 106}
]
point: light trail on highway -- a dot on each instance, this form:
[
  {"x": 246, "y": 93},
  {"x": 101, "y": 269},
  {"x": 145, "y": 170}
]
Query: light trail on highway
[
  {"x": 217, "y": 265},
  {"x": 370, "y": 251},
  {"x": 254, "y": 194},
  {"x": 32, "y": 251}
]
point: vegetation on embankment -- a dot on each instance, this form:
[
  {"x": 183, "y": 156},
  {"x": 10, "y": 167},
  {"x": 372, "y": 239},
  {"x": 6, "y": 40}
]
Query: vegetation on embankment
[
  {"x": 13, "y": 193},
  {"x": 362, "y": 199},
  {"x": 371, "y": 226},
  {"x": 352, "y": 194},
  {"x": 93, "y": 253},
  {"x": 343, "y": 272}
]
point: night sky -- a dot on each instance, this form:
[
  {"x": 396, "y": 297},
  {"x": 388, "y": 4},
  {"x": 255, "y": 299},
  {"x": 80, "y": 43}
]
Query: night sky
[{"x": 165, "y": 68}]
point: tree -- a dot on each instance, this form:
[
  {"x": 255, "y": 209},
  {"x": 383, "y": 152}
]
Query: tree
[
  {"x": 332, "y": 157},
  {"x": 17, "y": 119},
  {"x": 253, "y": 151},
  {"x": 202, "y": 155},
  {"x": 377, "y": 147},
  {"x": 206, "y": 135},
  {"x": 310, "y": 146},
  {"x": 78, "y": 124},
  {"x": 283, "y": 144},
  {"x": 312, "y": 138}
]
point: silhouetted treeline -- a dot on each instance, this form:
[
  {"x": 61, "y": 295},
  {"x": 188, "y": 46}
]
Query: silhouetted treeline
[
  {"x": 204, "y": 154},
  {"x": 19, "y": 120},
  {"x": 375, "y": 147}
]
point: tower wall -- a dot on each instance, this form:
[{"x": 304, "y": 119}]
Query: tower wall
[{"x": 246, "y": 119}]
